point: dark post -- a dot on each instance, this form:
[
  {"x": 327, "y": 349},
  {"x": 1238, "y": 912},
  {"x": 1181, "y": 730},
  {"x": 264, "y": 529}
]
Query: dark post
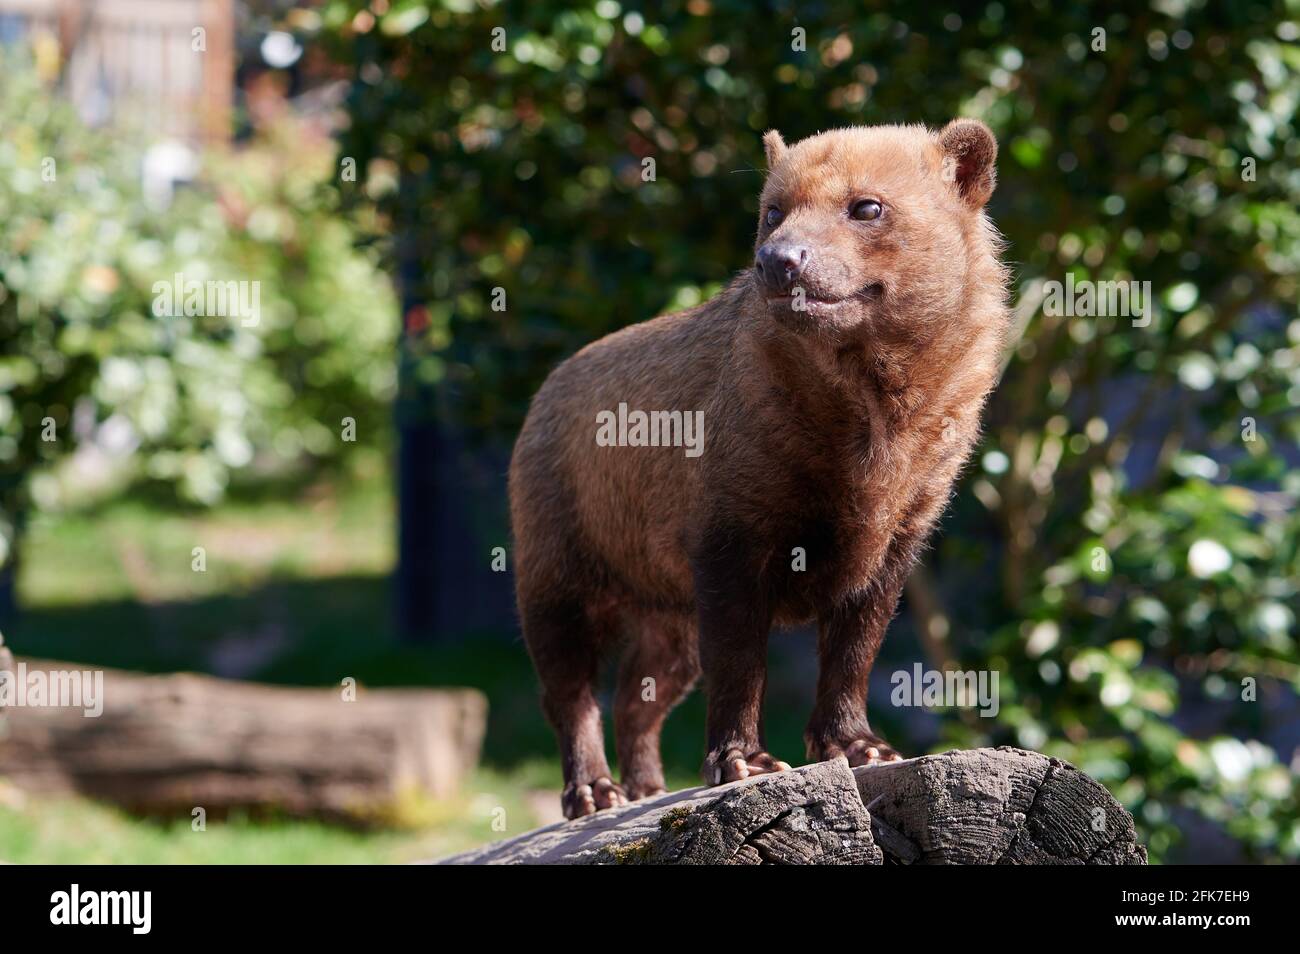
[
  {"x": 451, "y": 495},
  {"x": 416, "y": 582}
]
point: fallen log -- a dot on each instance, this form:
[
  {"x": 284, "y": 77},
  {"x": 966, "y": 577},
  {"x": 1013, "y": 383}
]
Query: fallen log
[
  {"x": 984, "y": 806},
  {"x": 169, "y": 744}
]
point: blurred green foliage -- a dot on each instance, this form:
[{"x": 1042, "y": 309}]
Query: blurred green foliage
[
  {"x": 98, "y": 391},
  {"x": 1124, "y": 551}
]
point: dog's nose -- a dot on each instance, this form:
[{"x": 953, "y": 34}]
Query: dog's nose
[{"x": 779, "y": 266}]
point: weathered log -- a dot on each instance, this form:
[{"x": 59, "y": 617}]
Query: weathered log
[
  {"x": 170, "y": 744},
  {"x": 985, "y": 806}
]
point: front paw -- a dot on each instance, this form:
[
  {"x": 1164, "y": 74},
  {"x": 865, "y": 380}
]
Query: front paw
[
  {"x": 869, "y": 750},
  {"x": 638, "y": 788},
  {"x": 732, "y": 763},
  {"x": 865, "y": 748},
  {"x": 585, "y": 798}
]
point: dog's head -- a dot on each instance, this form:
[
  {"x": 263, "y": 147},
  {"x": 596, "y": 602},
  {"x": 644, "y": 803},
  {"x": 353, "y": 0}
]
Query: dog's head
[{"x": 865, "y": 221}]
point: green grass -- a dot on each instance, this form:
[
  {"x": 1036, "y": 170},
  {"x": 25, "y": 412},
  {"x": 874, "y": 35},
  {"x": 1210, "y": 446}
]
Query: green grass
[
  {"x": 78, "y": 831},
  {"x": 295, "y": 592}
]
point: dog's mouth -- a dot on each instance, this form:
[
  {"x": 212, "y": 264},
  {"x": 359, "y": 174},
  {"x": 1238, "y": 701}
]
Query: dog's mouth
[{"x": 803, "y": 302}]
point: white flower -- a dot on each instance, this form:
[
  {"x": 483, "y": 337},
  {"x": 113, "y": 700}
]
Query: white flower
[
  {"x": 1042, "y": 638},
  {"x": 1231, "y": 758},
  {"x": 1208, "y": 557}
]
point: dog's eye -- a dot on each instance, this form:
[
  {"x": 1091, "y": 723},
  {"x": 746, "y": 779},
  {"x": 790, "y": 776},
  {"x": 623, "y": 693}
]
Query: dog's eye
[
  {"x": 866, "y": 210},
  {"x": 774, "y": 216}
]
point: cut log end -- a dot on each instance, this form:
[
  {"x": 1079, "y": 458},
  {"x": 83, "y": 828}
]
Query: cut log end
[{"x": 984, "y": 806}]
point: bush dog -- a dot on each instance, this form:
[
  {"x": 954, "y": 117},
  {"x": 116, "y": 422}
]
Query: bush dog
[{"x": 840, "y": 381}]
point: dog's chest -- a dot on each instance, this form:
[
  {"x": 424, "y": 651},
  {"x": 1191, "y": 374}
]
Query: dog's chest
[{"x": 832, "y": 545}]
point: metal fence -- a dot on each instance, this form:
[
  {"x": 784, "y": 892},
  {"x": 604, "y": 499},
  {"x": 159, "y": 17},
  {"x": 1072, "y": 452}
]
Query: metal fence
[{"x": 160, "y": 68}]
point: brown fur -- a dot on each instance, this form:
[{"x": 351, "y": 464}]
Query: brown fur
[{"x": 838, "y": 429}]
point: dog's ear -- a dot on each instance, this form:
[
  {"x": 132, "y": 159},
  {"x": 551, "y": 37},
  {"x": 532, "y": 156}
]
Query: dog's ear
[
  {"x": 970, "y": 159},
  {"x": 774, "y": 146}
]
